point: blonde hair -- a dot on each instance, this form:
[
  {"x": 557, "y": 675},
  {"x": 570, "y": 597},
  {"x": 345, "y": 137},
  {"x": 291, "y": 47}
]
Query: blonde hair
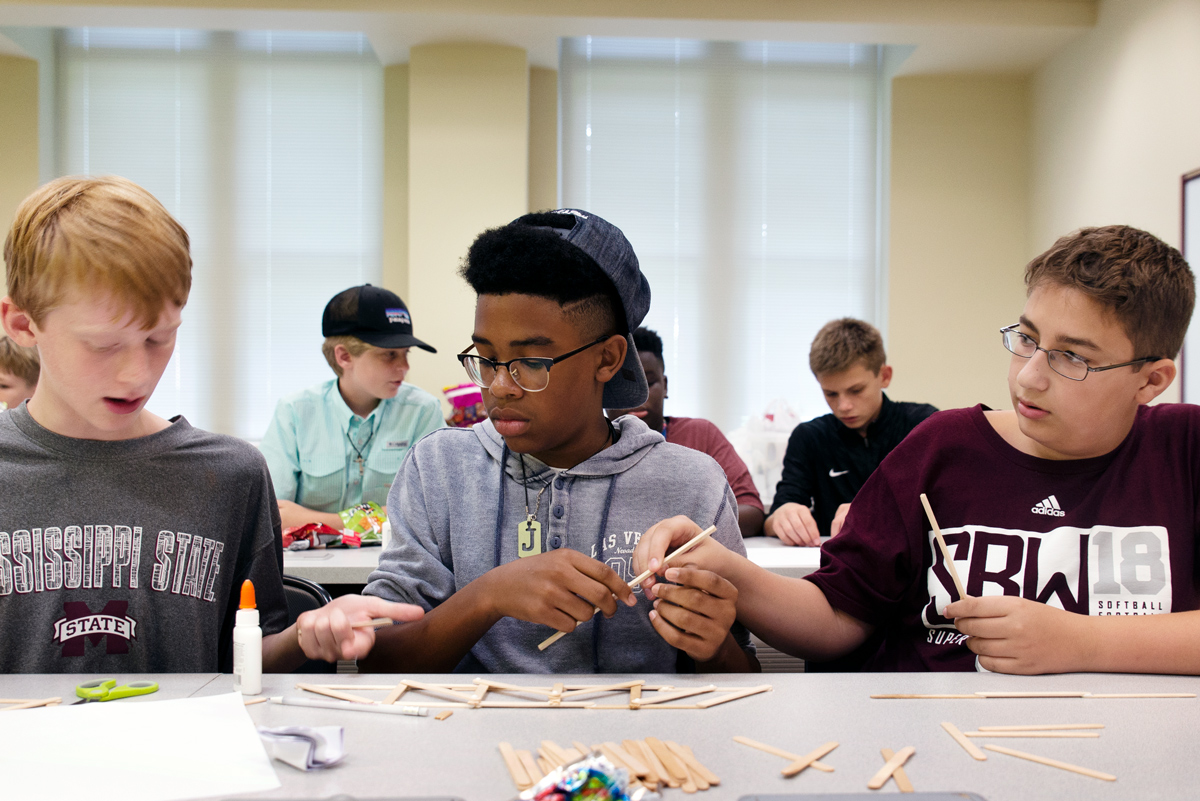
[
  {"x": 840, "y": 344},
  {"x": 353, "y": 345},
  {"x": 105, "y": 233},
  {"x": 19, "y": 361}
]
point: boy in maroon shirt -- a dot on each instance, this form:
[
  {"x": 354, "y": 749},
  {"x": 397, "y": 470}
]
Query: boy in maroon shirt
[{"x": 1072, "y": 519}]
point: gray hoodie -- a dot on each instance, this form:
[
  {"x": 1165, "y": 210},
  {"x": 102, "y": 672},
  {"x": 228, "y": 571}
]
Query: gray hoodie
[{"x": 454, "y": 516}]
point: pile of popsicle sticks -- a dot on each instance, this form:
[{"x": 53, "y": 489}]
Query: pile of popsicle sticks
[
  {"x": 893, "y": 765},
  {"x": 1038, "y": 730},
  {"x": 651, "y": 763},
  {"x": 28, "y": 703},
  {"x": 488, "y": 693}
]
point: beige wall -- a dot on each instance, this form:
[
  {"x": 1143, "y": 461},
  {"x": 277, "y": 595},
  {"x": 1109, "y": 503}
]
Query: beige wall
[
  {"x": 959, "y": 235},
  {"x": 18, "y": 134},
  {"x": 543, "y": 139},
  {"x": 1116, "y": 124},
  {"x": 468, "y": 170}
]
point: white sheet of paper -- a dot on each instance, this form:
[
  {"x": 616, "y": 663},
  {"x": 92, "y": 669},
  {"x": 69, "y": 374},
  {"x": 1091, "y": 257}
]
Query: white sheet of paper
[{"x": 141, "y": 751}]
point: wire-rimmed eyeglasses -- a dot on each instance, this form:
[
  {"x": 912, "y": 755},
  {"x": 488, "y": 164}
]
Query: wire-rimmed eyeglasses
[
  {"x": 530, "y": 373},
  {"x": 1065, "y": 363}
]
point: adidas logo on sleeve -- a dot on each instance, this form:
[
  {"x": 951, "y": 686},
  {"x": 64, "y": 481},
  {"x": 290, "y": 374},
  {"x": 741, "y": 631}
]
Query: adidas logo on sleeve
[{"x": 1048, "y": 507}]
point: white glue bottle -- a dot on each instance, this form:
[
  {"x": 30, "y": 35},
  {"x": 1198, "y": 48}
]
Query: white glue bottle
[{"x": 247, "y": 645}]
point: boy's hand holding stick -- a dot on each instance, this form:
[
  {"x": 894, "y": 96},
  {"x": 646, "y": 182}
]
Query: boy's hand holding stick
[{"x": 937, "y": 533}]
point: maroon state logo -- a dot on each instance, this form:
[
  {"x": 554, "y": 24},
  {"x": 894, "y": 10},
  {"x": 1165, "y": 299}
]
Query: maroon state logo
[{"x": 111, "y": 624}]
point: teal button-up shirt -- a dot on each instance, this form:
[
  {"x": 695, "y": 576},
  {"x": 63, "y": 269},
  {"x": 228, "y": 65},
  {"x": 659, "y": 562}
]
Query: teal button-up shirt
[{"x": 325, "y": 457}]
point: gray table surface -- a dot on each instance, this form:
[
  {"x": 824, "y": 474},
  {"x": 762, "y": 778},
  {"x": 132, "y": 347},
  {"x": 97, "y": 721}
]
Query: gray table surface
[
  {"x": 353, "y": 565},
  {"x": 1151, "y": 745}
]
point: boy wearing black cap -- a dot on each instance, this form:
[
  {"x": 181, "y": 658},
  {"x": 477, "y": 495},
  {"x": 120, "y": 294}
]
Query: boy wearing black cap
[
  {"x": 340, "y": 443},
  {"x": 525, "y": 523}
]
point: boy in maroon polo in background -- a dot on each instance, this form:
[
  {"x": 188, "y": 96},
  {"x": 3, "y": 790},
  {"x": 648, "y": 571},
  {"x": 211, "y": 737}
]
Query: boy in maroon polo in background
[
  {"x": 693, "y": 432},
  {"x": 1071, "y": 518}
]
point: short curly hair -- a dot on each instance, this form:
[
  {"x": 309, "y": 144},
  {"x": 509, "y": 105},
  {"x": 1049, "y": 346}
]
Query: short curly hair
[
  {"x": 1144, "y": 282},
  {"x": 648, "y": 341},
  {"x": 525, "y": 259}
]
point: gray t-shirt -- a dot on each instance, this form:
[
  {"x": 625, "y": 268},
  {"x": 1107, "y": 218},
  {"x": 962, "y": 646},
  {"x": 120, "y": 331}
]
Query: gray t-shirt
[
  {"x": 128, "y": 556},
  {"x": 460, "y": 495}
]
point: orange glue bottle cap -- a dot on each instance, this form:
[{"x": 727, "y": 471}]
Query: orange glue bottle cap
[{"x": 247, "y": 601}]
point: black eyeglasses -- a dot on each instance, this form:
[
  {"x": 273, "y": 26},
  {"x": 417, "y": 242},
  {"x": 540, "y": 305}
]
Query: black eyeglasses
[
  {"x": 530, "y": 373},
  {"x": 1065, "y": 363}
]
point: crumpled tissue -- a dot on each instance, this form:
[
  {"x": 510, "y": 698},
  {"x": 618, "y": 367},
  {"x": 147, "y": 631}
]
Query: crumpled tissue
[{"x": 304, "y": 747}]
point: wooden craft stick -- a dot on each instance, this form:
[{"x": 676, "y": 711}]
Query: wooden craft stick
[
  {"x": 909, "y": 696},
  {"x": 636, "y": 765},
  {"x": 937, "y": 533},
  {"x": 898, "y": 774},
  {"x": 520, "y": 776},
  {"x": 967, "y": 745},
  {"x": 635, "y": 697},
  {"x": 556, "y": 693},
  {"x": 499, "y": 685},
  {"x": 537, "y": 705},
  {"x": 554, "y": 753},
  {"x": 397, "y": 691},
  {"x": 434, "y": 689},
  {"x": 1044, "y": 727},
  {"x": 262, "y": 699},
  {"x": 606, "y": 688},
  {"x": 643, "y": 752},
  {"x": 443, "y": 715},
  {"x": 582, "y": 748},
  {"x": 370, "y": 624},
  {"x": 669, "y": 760},
  {"x": 341, "y": 696},
  {"x": 734, "y": 696},
  {"x": 809, "y": 759},
  {"x": 1079, "y": 735},
  {"x": 612, "y": 757},
  {"x": 32, "y": 703},
  {"x": 704, "y": 777},
  {"x": 682, "y": 549},
  {"x": 1054, "y": 763},
  {"x": 531, "y": 767},
  {"x": 1033, "y": 694},
  {"x": 545, "y": 766},
  {"x": 770, "y": 749},
  {"x": 666, "y": 698},
  {"x": 889, "y": 767}
]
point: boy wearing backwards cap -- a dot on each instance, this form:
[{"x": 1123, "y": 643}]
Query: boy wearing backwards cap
[
  {"x": 525, "y": 523},
  {"x": 340, "y": 443},
  {"x": 1071, "y": 518},
  {"x": 124, "y": 537}
]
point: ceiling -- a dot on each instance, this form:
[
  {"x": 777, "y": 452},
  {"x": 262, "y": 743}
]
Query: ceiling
[{"x": 993, "y": 36}]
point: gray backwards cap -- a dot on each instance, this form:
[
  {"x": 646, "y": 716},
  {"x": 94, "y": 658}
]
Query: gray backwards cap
[{"x": 609, "y": 248}]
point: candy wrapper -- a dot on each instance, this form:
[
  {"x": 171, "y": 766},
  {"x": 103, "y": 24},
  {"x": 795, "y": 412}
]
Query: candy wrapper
[
  {"x": 466, "y": 405},
  {"x": 365, "y": 520},
  {"x": 310, "y": 535},
  {"x": 591, "y": 779}
]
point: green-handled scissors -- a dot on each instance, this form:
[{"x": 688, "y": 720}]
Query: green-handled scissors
[{"x": 107, "y": 690}]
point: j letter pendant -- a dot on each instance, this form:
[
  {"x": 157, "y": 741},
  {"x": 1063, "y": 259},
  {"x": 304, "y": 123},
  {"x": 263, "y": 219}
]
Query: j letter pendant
[{"x": 529, "y": 537}]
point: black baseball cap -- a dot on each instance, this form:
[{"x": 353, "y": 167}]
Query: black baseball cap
[{"x": 372, "y": 314}]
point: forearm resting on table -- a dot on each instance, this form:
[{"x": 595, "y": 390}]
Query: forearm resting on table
[
  {"x": 750, "y": 520},
  {"x": 1143, "y": 644},
  {"x": 293, "y": 514},
  {"x": 438, "y": 641},
  {"x": 790, "y": 614}
]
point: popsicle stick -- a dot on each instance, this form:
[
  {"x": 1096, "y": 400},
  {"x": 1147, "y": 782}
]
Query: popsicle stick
[
  {"x": 669, "y": 760},
  {"x": 704, "y": 777},
  {"x": 545, "y": 766},
  {"x": 341, "y": 696},
  {"x": 967, "y": 745},
  {"x": 925, "y": 696},
  {"x": 898, "y": 774},
  {"x": 665, "y": 698},
  {"x": 538, "y": 705},
  {"x": 397, "y": 691},
  {"x": 262, "y": 699},
  {"x": 635, "y": 697},
  {"x": 1044, "y": 727},
  {"x": 734, "y": 696},
  {"x": 443, "y": 715},
  {"x": 531, "y": 766},
  {"x": 499, "y": 685},
  {"x": 808, "y": 759},
  {"x": 682, "y": 549},
  {"x": 33, "y": 703},
  {"x": 636, "y": 765},
  {"x": 1054, "y": 763},
  {"x": 520, "y": 776},
  {"x": 554, "y": 753},
  {"x": 370, "y": 624},
  {"x": 582, "y": 748},
  {"x": 889, "y": 767},
  {"x": 1141, "y": 695},
  {"x": 941, "y": 541},
  {"x": 433, "y": 689},
  {"x": 612, "y": 757},
  {"x": 770, "y": 749},
  {"x": 1078, "y": 735},
  {"x": 636, "y": 684},
  {"x": 643, "y": 752}
]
